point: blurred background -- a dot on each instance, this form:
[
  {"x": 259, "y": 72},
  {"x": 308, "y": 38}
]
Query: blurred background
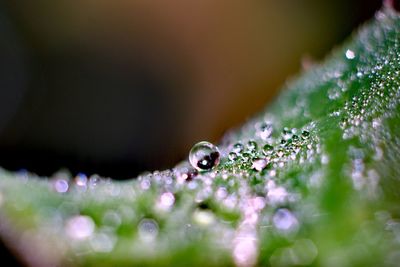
[{"x": 119, "y": 87}]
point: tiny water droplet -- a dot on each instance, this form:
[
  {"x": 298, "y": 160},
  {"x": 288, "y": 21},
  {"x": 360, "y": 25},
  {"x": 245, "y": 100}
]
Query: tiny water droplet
[
  {"x": 268, "y": 149},
  {"x": 280, "y": 153},
  {"x": 94, "y": 180},
  {"x": 203, "y": 217},
  {"x": 265, "y": 131},
  {"x": 80, "y": 227},
  {"x": 259, "y": 164},
  {"x": 148, "y": 229},
  {"x": 103, "y": 242},
  {"x": 286, "y": 133},
  {"x": 232, "y": 156},
  {"x": 252, "y": 146},
  {"x": 285, "y": 221},
  {"x": 61, "y": 185},
  {"x": 246, "y": 156},
  {"x": 305, "y": 134},
  {"x": 204, "y": 156},
  {"x": 81, "y": 181},
  {"x": 184, "y": 172},
  {"x": 237, "y": 148},
  {"x": 166, "y": 201},
  {"x": 350, "y": 54}
]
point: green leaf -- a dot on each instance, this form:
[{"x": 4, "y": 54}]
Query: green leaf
[{"x": 321, "y": 187}]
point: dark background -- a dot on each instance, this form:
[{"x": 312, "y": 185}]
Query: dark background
[{"x": 119, "y": 87}]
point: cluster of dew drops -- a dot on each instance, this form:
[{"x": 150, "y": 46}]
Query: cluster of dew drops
[
  {"x": 235, "y": 162},
  {"x": 253, "y": 155}
]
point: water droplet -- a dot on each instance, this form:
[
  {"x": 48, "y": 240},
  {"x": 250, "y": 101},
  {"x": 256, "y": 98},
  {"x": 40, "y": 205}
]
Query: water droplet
[
  {"x": 112, "y": 219},
  {"x": 203, "y": 217},
  {"x": 237, "y": 148},
  {"x": 103, "y": 242},
  {"x": 94, "y": 180},
  {"x": 166, "y": 201},
  {"x": 285, "y": 221},
  {"x": 350, "y": 54},
  {"x": 280, "y": 153},
  {"x": 265, "y": 131},
  {"x": 246, "y": 156},
  {"x": 286, "y": 133},
  {"x": 276, "y": 194},
  {"x": 204, "y": 156},
  {"x": 80, "y": 227},
  {"x": 232, "y": 156},
  {"x": 304, "y": 251},
  {"x": 145, "y": 184},
  {"x": 268, "y": 149},
  {"x": 184, "y": 172},
  {"x": 60, "y": 185},
  {"x": 252, "y": 146},
  {"x": 81, "y": 180},
  {"x": 259, "y": 164},
  {"x": 245, "y": 251},
  {"x": 305, "y": 134},
  {"x": 148, "y": 229}
]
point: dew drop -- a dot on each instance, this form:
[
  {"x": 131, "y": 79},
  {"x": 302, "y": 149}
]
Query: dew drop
[
  {"x": 184, "y": 172},
  {"x": 94, "y": 180},
  {"x": 61, "y": 185},
  {"x": 203, "y": 217},
  {"x": 285, "y": 221},
  {"x": 111, "y": 219},
  {"x": 259, "y": 164},
  {"x": 246, "y": 156},
  {"x": 81, "y": 180},
  {"x": 103, "y": 242},
  {"x": 268, "y": 149},
  {"x": 148, "y": 229},
  {"x": 232, "y": 156},
  {"x": 204, "y": 156},
  {"x": 252, "y": 146},
  {"x": 305, "y": 134},
  {"x": 237, "y": 148},
  {"x": 265, "y": 131},
  {"x": 80, "y": 227},
  {"x": 280, "y": 153},
  {"x": 286, "y": 133},
  {"x": 166, "y": 201},
  {"x": 350, "y": 54}
]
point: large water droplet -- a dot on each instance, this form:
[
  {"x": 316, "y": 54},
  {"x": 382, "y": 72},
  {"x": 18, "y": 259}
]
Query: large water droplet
[{"x": 204, "y": 156}]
